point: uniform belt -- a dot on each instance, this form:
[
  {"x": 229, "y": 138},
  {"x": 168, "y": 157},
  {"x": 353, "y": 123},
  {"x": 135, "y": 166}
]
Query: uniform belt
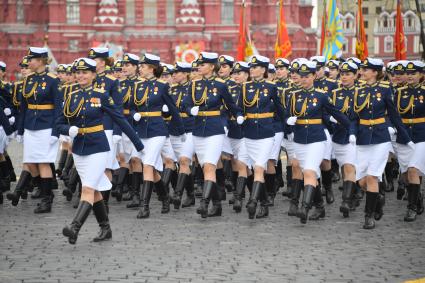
[
  {"x": 309, "y": 121},
  {"x": 90, "y": 130},
  {"x": 259, "y": 115},
  {"x": 209, "y": 113},
  {"x": 151, "y": 114},
  {"x": 126, "y": 112},
  {"x": 183, "y": 115},
  {"x": 41, "y": 106},
  {"x": 372, "y": 122},
  {"x": 413, "y": 120}
]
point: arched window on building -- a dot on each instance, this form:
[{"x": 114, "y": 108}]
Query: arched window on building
[
  {"x": 73, "y": 11},
  {"x": 20, "y": 12},
  {"x": 170, "y": 12},
  {"x": 150, "y": 12},
  {"x": 388, "y": 44},
  {"x": 227, "y": 11},
  {"x": 130, "y": 13}
]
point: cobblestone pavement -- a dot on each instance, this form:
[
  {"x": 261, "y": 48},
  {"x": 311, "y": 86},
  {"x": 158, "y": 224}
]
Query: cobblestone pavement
[{"x": 182, "y": 247}]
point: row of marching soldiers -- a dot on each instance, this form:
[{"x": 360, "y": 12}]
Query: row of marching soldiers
[{"x": 140, "y": 126}]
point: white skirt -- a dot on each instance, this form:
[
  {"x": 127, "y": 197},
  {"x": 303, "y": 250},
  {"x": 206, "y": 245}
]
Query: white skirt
[
  {"x": 151, "y": 155},
  {"x": 328, "y": 150},
  {"x": 111, "y": 162},
  {"x": 208, "y": 149},
  {"x": 227, "y": 147},
  {"x": 3, "y": 140},
  {"x": 168, "y": 151},
  {"x": 91, "y": 169},
  {"x": 184, "y": 149},
  {"x": 289, "y": 148},
  {"x": 37, "y": 147},
  {"x": 372, "y": 159},
  {"x": 128, "y": 149},
  {"x": 259, "y": 151},
  {"x": 407, "y": 157},
  {"x": 345, "y": 153},
  {"x": 310, "y": 156},
  {"x": 239, "y": 151},
  {"x": 274, "y": 154}
]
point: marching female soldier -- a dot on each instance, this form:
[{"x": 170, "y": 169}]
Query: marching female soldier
[
  {"x": 5, "y": 130},
  {"x": 40, "y": 106},
  {"x": 149, "y": 96},
  {"x": 83, "y": 120},
  {"x": 111, "y": 86},
  {"x": 306, "y": 110},
  {"x": 411, "y": 106},
  {"x": 183, "y": 150},
  {"x": 204, "y": 101},
  {"x": 258, "y": 95},
  {"x": 345, "y": 151},
  {"x": 372, "y": 103}
]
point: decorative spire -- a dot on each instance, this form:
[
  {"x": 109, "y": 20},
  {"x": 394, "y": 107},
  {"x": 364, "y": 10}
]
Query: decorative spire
[
  {"x": 190, "y": 13},
  {"x": 108, "y": 13}
]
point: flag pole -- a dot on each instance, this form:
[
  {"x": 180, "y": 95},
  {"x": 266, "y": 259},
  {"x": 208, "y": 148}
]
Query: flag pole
[{"x": 422, "y": 28}]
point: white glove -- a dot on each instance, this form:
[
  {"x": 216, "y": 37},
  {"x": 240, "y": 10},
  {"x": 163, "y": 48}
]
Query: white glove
[
  {"x": 7, "y": 111},
  {"x": 62, "y": 138},
  {"x": 12, "y": 120},
  {"x": 291, "y": 121},
  {"x": 116, "y": 139},
  {"x": 333, "y": 120},
  {"x": 19, "y": 139},
  {"x": 53, "y": 139},
  {"x": 290, "y": 137},
  {"x": 240, "y": 120},
  {"x": 391, "y": 130},
  {"x": 183, "y": 138},
  {"x": 411, "y": 145},
  {"x": 194, "y": 111},
  {"x": 137, "y": 117},
  {"x": 164, "y": 108},
  {"x": 352, "y": 139},
  {"x": 73, "y": 132}
]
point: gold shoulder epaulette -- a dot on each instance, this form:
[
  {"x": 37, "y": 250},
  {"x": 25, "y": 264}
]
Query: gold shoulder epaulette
[
  {"x": 271, "y": 82},
  {"x": 162, "y": 81},
  {"x": 331, "y": 80},
  {"x": 174, "y": 85},
  {"x": 72, "y": 92},
  {"x": 321, "y": 90},
  {"x": 337, "y": 89},
  {"x": 384, "y": 85},
  {"x": 110, "y": 77},
  {"x": 101, "y": 90},
  {"x": 220, "y": 80},
  {"x": 52, "y": 75}
]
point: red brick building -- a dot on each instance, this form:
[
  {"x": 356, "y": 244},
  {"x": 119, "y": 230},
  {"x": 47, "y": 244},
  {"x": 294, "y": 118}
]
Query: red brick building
[{"x": 163, "y": 27}]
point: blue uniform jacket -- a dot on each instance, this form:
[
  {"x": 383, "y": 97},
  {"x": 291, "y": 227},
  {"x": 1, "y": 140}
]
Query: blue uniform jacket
[
  {"x": 285, "y": 97},
  {"x": 375, "y": 102},
  {"x": 86, "y": 108},
  {"x": 178, "y": 92},
  {"x": 149, "y": 96},
  {"x": 210, "y": 95},
  {"x": 259, "y": 97},
  {"x": 111, "y": 87},
  {"x": 281, "y": 85},
  {"x": 4, "y": 122},
  {"x": 328, "y": 86},
  {"x": 127, "y": 91},
  {"x": 410, "y": 102},
  {"x": 234, "y": 130},
  {"x": 40, "y": 90},
  {"x": 342, "y": 98},
  {"x": 312, "y": 104}
]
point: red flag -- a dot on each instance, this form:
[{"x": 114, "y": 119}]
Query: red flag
[
  {"x": 323, "y": 36},
  {"x": 242, "y": 35},
  {"x": 361, "y": 42},
  {"x": 283, "y": 48},
  {"x": 400, "y": 45}
]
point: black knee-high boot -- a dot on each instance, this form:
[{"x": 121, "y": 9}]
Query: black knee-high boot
[
  {"x": 253, "y": 199},
  {"x": 4, "y": 178},
  {"x": 61, "y": 162},
  {"x": 227, "y": 171},
  {"x": 279, "y": 176},
  {"x": 318, "y": 203},
  {"x": 288, "y": 190},
  {"x": 206, "y": 195},
  {"x": 45, "y": 205},
  {"x": 11, "y": 170},
  {"x": 178, "y": 193},
  {"x": 380, "y": 202},
  {"x": 55, "y": 184},
  {"x": 121, "y": 178},
  {"x": 297, "y": 186},
  {"x": 327, "y": 185},
  {"x": 100, "y": 211},
  {"x": 67, "y": 167},
  {"x": 264, "y": 204},
  {"x": 389, "y": 176},
  {"x": 347, "y": 198},
  {"x": 105, "y": 196},
  {"x": 190, "y": 195},
  {"x": 270, "y": 189},
  {"x": 235, "y": 175},
  {"x": 371, "y": 199},
  {"x": 216, "y": 208},
  {"x": 80, "y": 217},
  {"x": 73, "y": 180},
  {"x": 306, "y": 203},
  {"x": 220, "y": 185},
  {"x": 135, "y": 184},
  {"x": 21, "y": 186},
  {"x": 240, "y": 187},
  {"x": 336, "y": 176},
  {"x": 36, "y": 193},
  {"x": 145, "y": 195},
  {"x": 412, "y": 197},
  {"x": 163, "y": 192}
]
